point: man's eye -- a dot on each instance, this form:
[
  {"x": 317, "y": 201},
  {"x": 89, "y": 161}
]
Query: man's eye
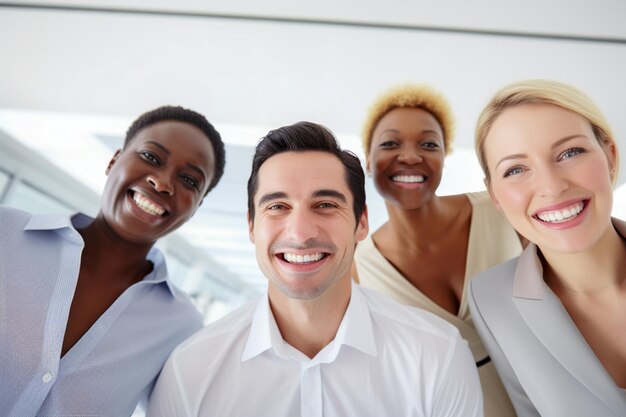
[
  {"x": 276, "y": 207},
  {"x": 326, "y": 205}
]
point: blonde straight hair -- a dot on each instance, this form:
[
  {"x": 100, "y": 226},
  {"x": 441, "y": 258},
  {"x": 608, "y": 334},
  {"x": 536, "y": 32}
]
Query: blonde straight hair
[{"x": 544, "y": 92}]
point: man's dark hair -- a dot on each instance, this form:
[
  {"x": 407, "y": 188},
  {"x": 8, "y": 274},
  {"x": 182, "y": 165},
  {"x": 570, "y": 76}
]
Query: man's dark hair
[
  {"x": 303, "y": 137},
  {"x": 180, "y": 114}
]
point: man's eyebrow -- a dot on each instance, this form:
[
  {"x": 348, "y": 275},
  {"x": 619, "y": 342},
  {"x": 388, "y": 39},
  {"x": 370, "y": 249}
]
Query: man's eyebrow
[
  {"x": 158, "y": 145},
  {"x": 331, "y": 193},
  {"x": 271, "y": 197}
]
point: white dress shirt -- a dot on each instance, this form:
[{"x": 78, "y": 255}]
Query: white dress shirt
[{"x": 386, "y": 360}]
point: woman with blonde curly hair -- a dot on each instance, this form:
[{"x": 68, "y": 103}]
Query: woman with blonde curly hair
[
  {"x": 431, "y": 245},
  {"x": 554, "y": 319}
]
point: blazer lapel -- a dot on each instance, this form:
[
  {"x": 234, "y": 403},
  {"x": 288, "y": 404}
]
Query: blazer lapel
[{"x": 536, "y": 302}]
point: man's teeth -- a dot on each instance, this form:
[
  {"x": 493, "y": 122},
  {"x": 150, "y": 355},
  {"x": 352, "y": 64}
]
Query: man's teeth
[
  {"x": 408, "y": 178},
  {"x": 301, "y": 259},
  {"x": 561, "y": 215},
  {"x": 147, "y": 205}
]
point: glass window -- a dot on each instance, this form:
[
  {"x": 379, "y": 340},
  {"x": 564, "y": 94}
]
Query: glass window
[
  {"x": 4, "y": 182},
  {"x": 177, "y": 270},
  {"x": 28, "y": 198}
]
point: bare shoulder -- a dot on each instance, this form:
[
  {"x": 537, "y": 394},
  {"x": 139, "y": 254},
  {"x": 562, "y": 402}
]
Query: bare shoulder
[
  {"x": 457, "y": 207},
  {"x": 457, "y": 201}
]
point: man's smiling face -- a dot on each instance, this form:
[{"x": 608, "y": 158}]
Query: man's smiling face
[{"x": 304, "y": 228}]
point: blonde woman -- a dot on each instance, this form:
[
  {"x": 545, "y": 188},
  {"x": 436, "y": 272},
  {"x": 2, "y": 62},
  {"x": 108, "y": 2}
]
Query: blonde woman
[
  {"x": 554, "y": 319},
  {"x": 425, "y": 253}
]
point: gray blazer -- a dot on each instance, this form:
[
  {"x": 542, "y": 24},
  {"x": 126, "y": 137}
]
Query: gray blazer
[{"x": 546, "y": 365}]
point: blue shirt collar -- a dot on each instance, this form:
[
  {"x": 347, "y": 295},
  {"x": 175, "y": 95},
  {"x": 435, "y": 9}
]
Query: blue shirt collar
[{"x": 66, "y": 225}]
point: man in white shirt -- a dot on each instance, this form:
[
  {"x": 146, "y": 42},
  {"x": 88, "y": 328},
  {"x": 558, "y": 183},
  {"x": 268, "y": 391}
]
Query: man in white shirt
[{"x": 317, "y": 344}]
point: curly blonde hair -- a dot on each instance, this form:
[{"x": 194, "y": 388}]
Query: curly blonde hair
[{"x": 413, "y": 96}]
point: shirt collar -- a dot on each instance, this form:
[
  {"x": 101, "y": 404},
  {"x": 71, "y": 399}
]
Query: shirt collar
[
  {"x": 355, "y": 330},
  {"x": 264, "y": 333},
  {"x": 49, "y": 221},
  {"x": 357, "y": 326},
  {"x": 528, "y": 279},
  {"x": 65, "y": 224}
]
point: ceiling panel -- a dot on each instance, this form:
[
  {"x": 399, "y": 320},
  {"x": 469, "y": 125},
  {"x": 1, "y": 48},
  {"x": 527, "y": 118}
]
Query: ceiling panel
[{"x": 250, "y": 67}]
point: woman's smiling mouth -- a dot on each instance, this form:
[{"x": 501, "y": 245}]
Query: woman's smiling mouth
[
  {"x": 561, "y": 215},
  {"x": 147, "y": 205},
  {"x": 409, "y": 179}
]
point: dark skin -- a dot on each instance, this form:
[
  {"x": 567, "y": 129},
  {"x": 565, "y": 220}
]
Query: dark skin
[
  {"x": 154, "y": 186},
  {"x": 427, "y": 236},
  {"x": 109, "y": 266},
  {"x": 429, "y": 247}
]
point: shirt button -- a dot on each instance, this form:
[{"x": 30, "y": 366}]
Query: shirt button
[{"x": 47, "y": 377}]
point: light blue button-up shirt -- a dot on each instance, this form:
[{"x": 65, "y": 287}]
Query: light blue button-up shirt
[{"x": 114, "y": 365}]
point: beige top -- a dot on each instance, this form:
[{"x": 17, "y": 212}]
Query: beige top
[{"x": 492, "y": 240}]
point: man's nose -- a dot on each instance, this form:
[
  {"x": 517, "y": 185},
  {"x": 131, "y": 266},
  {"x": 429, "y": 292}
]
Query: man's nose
[{"x": 302, "y": 225}]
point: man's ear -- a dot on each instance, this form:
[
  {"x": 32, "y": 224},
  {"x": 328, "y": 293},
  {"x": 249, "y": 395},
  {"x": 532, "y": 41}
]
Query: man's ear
[
  {"x": 494, "y": 200},
  {"x": 250, "y": 228},
  {"x": 113, "y": 160},
  {"x": 362, "y": 227}
]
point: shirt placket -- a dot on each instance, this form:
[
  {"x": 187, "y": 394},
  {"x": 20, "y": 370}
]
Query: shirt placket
[
  {"x": 39, "y": 387},
  {"x": 311, "y": 391}
]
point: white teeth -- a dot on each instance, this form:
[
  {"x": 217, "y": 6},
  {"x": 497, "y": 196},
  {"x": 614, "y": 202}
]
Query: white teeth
[
  {"x": 561, "y": 215},
  {"x": 301, "y": 259},
  {"x": 147, "y": 205},
  {"x": 408, "y": 178}
]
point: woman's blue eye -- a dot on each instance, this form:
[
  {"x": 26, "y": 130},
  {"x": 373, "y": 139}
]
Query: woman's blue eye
[
  {"x": 570, "y": 153},
  {"x": 513, "y": 171}
]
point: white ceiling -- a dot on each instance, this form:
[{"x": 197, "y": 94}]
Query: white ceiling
[{"x": 252, "y": 66}]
